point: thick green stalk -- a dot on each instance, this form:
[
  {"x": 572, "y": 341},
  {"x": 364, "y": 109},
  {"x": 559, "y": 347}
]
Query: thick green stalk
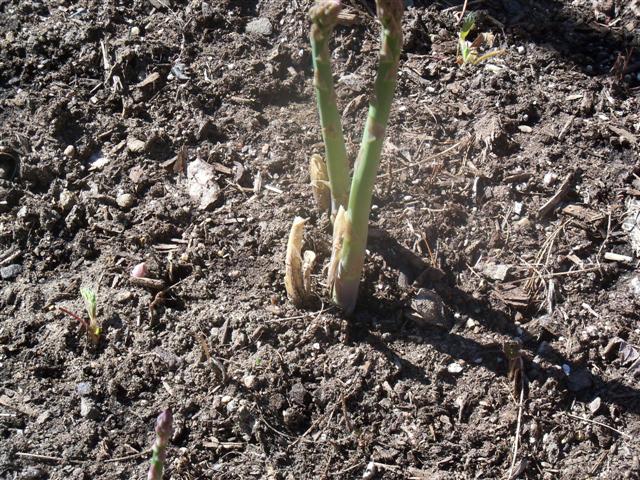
[
  {"x": 357, "y": 216},
  {"x": 324, "y": 15},
  {"x": 164, "y": 430}
]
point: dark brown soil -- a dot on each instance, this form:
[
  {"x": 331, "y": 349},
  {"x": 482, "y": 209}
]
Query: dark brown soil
[{"x": 102, "y": 104}]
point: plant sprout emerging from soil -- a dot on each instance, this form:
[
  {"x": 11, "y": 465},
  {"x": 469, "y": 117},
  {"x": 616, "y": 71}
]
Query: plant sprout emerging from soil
[
  {"x": 350, "y": 207},
  {"x": 92, "y": 327},
  {"x": 164, "y": 430},
  {"x": 91, "y": 305},
  {"x": 468, "y": 51}
]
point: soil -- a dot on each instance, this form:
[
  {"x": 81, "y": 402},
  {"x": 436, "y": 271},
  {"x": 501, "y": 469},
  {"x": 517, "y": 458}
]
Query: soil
[{"x": 524, "y": 362}]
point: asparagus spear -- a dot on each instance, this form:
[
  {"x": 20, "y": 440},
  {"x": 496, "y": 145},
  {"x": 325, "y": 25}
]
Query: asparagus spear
[
  {"x": 324, "y": 15},
  {"x": 164, "y": 430},
  {"x": 355, "y": 230}
]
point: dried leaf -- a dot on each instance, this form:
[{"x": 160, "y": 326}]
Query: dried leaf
[
  {"x": 320, "y": 182},
  {"x": 341, "y": 226},
  {"x": 308, "y": 262},
  {"x": 293, "y": 277}
]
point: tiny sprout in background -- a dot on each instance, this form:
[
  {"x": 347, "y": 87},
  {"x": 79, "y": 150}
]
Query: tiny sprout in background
[{"x": 468, "y": 52}]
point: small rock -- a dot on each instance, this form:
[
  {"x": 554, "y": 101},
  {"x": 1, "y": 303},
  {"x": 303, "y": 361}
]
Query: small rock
[
  {"x": 10, "y": 271},
  {"x": 525, "y": 128},
  {"x": 125, "y": 200},
  {"x": 43, "y": 417},
  {"x": 249, "y": 381},
  {"x": 595, "y": 404},
  {"x": 232, "y": 406},
  {"x": 260, "y": 26},
  {"x": 33, "y": 473},
  {"x": 496, "y": 271},
  {"x": 123, "y": 297},
  {"x": 203, "y": 189},
  {"x": 84, "y": 389},
  {"x": 634, "y": 285},
  {"x": 239, "y": 339},
  {"x": 70, "y": 151},
  {"x": 135, "y": 32},
  {"x": 88, "y": 409},
  {"x": 454, "y": 367},
  {"x": 67, "y": 200},
  {"x": 135, "y": 145},
  {"x": 631, "y": 224},
  {"x": 523, "y": 224},
  {"x": 517, "y": 208},
  {"x": 549, "y": 179},
  {"x": 427, "y": 309},
  {"x": 299, "y": 395},
  {"x": 76, "y": 218},
  {"x": 520, "y": 49}
]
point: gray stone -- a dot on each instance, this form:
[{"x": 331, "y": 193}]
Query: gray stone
[
  {"x": 10, "y": 271},
  {"x": 634, "y": 286},
  {"x": 260, "y": 26},
  {"x": 84, "y": 389},
  {"x": 496, "y": 271},
  {"x": 67, "y": 200},
  {"x": 88, "y": 409},
  {"x": 427, "y": 309},
  {"x": 125, "y": 200}
]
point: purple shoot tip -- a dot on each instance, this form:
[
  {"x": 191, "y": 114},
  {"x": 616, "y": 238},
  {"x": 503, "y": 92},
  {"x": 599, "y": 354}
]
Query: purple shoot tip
[
  {"x": 164, "y": 424},
  {"x": 164, "y": 430}
]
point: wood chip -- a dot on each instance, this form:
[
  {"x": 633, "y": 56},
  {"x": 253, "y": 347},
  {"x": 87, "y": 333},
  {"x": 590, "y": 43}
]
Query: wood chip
[
  {"x": 151, "y": 78},
  {"x": 554, "y": 201},
  {"x": 616, "y": 257},
  {"x": 583, "y": 213},
  {"x": 621, "y": 132},
  {"x": 145, "y": 282}
]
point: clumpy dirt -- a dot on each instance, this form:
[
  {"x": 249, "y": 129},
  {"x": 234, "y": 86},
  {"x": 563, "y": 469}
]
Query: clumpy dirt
[{"x": 500, "y": 214}]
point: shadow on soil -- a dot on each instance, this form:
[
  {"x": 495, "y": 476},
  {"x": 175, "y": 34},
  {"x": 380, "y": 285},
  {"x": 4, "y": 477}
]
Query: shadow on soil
[{"x": 585, "y": 385}]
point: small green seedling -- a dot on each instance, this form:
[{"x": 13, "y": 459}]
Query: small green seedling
[
  {"x": 91, "y": 304},
  {"x": 91, "y": 327},
  {"x": 468, "y": 52}
]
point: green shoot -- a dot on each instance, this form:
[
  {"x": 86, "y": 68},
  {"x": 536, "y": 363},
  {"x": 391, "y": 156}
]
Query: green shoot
[
  {"x": 324, "y": 16},
  {"x": 164, "y": 430},
  {"x": 351, "y": 207},
  {"x": 468, "y": 52},
  {"x": 91, "y": 305}
]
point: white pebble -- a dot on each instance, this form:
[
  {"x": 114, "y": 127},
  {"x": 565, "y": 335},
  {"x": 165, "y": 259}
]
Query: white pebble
[
  {"x": 454, "y": 367},
  {"x": 549, "y": 179},
  {"x": 70, "y": 151}
]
